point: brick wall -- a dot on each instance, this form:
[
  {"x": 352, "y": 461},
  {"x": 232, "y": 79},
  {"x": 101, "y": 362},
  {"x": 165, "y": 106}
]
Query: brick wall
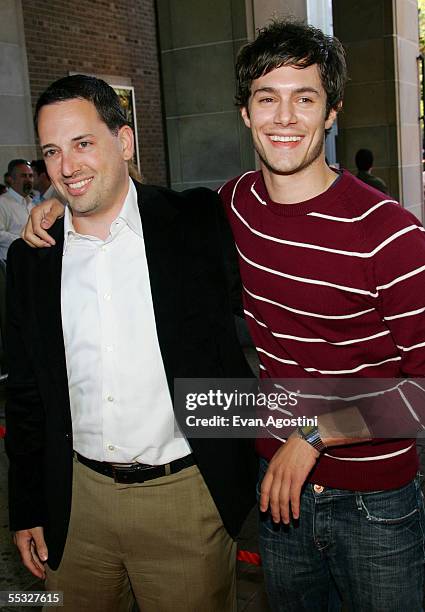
[{"x": 102, "y": 37}]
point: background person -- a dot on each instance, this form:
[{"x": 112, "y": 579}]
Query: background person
[
  {"x": 15, "y": 204},
  {"x": 42, "y": 182},
  {"x": 364, "y": 163}
]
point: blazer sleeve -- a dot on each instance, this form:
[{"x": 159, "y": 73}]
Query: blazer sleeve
[{"x": 24, "y": 414}]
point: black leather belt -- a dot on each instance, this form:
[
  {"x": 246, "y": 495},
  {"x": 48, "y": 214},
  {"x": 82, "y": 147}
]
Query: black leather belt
[{"x": 136, "y": 472}]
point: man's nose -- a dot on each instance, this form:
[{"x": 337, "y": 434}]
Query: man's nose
[
  {"x": 69, "y": 165},
  {"x": 285, "y": 113}
]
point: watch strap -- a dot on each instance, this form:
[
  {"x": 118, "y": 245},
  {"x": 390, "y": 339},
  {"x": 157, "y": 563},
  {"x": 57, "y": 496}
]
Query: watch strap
[{"x": 312, "y": 436}]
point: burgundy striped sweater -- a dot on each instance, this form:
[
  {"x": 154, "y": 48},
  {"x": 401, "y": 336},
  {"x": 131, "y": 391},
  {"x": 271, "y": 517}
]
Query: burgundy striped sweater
[{"x": 334, "y": 286}]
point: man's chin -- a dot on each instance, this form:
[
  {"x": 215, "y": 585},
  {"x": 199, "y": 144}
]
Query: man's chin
[
  {"x": 81, "y": 209},
  {"x": 283, "y": 169}
]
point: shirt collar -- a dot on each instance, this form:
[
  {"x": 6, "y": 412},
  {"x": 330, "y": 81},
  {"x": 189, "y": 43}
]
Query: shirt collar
[
  {"x": 15, "y": 195},
  {"x": 129, "y": 214},
  {"x": 130, "y": 211}
]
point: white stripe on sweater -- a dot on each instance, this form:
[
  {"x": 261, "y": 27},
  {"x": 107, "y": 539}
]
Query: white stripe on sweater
[
  {"x": 350, "y": 371},
  {"x": 321, "y": 340},
  {"x": 321, "y": 215},
  {"x": 375, "y": 458},
  {"x": 304, "y": 312},
  {"x": 315, "y": 247},
  {"x": 410, "y": 313},
  {"x": 406, "y": 349},
  {"x": 255, "y": 194},
  {"x": 399, "y": 279},
  {"x": 352, "y": 219},
  {"x": 308, "y": 281}
]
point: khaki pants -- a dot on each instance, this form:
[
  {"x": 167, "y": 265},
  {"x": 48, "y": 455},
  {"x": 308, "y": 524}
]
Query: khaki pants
[{"x": 161, "y": 543}]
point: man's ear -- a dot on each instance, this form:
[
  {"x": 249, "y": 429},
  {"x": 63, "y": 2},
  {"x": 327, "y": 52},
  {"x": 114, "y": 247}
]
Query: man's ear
[
  {"x": 332, "y": 116},
  {"x": 126, "y": 138},
  {"x": 245, "y": 116}
]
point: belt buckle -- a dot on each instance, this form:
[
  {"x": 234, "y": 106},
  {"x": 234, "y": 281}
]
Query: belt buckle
[{"x": 129, "y": 469}]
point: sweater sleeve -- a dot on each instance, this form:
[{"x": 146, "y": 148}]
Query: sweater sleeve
[{"x": 399, "y": 278}]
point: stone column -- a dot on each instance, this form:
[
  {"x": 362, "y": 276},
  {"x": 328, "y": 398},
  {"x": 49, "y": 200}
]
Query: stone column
[
  {"x": 381, "y": 107},
  {"x": 199, "y": 41},
  {"x": 406, "y": 29},
  {"x": 16, "y": 127}
]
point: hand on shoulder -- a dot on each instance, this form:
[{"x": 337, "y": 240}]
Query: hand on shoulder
[{"x": 41, "y": 218}]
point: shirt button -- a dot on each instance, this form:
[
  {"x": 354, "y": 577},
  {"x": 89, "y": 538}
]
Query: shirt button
[
  {"x": 318, "y": 488},
  {"x": 103, "y": 248},
  {"x": 109, "y": 349},
  {"x": 107, "y": 297},
  {"x": 111, "y": 447},
  {"x": 110, "y": 398}
]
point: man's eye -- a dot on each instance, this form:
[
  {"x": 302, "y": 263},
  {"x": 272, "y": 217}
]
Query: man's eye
[
  {"x": 49, "y": 152},
  {"x": 305, "y": 100},
  {"x": 83, "y": 144},
  {"x": 266, "y": 100}
]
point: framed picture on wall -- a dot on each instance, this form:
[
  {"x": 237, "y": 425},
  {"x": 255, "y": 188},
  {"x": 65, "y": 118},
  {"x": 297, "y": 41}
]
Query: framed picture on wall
[{"x": 127, "y": 101}]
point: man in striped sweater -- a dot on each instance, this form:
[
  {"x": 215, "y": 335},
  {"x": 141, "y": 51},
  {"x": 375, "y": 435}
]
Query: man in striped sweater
[
  {"x": 334, "y": 286},
  {"x": 333, "y": 280}
]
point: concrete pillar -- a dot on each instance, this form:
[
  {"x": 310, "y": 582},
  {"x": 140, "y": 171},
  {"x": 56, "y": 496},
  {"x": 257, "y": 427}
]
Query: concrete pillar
[
  {"x": 406, "y": 27},
  {"x": 381, "y": 106},
  {"x": 16, "y": 127},
  {"x": 207, "y": 141}
]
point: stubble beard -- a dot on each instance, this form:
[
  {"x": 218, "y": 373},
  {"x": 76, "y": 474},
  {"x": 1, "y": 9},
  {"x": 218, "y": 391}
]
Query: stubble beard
[
  {"x": 305, "y": 163},
  {"x": 85, "y": 209}
]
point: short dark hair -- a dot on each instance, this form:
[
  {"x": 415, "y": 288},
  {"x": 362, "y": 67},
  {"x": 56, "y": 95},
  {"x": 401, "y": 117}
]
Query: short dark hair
[
  {"x": 292, "y": 43},
  {"x": 39, "y": 165},
  {"x": 14, "y": 163},
  {"x": 89, "y": 88},
  {"x": 364, "y": 159}
]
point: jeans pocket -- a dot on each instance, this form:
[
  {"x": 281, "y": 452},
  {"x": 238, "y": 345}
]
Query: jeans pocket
[{"x": 390, "y": 507}]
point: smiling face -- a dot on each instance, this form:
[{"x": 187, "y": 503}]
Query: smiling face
[
  {"x": 86, "y": 162},
  {"x": 287, "y": 116}
]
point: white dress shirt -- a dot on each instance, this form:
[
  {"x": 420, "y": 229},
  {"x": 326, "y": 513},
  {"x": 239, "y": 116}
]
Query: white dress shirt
[
  {"x": 14, "y": 211},
  {"x": 120, "y": 402}
]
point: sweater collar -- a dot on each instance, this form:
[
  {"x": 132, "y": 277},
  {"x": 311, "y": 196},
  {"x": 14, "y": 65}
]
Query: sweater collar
[{"x": 316, "y": 204}]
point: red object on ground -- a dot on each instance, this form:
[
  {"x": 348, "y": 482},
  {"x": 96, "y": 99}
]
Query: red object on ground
[
  {"x": 249, "y": 557},
  {"x": 2, "y": 431}
]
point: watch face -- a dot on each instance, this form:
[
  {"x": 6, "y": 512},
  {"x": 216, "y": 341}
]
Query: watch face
[{"x": 307, "y": 430}]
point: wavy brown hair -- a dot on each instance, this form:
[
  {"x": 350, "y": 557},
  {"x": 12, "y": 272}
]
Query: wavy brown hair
[{"x": 292, "y": 43}]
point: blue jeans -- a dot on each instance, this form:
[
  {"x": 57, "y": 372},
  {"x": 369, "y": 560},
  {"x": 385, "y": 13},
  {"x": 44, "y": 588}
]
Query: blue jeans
[{"x": 371, "y": 545}]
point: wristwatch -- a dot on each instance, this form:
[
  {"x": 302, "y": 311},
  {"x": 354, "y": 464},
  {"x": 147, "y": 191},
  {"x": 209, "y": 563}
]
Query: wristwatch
[{"x": 310, "y": 433}]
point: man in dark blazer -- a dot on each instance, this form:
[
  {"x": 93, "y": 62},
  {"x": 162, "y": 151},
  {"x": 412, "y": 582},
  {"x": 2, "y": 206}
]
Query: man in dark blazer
[{"x": 114, "y": 530}]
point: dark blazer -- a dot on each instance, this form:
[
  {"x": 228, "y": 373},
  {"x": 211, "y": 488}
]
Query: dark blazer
[{"x": 185, "y": 237}]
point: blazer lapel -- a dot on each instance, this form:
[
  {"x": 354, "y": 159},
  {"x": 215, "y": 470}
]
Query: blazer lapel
[{"x": 163, "y": 234}]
